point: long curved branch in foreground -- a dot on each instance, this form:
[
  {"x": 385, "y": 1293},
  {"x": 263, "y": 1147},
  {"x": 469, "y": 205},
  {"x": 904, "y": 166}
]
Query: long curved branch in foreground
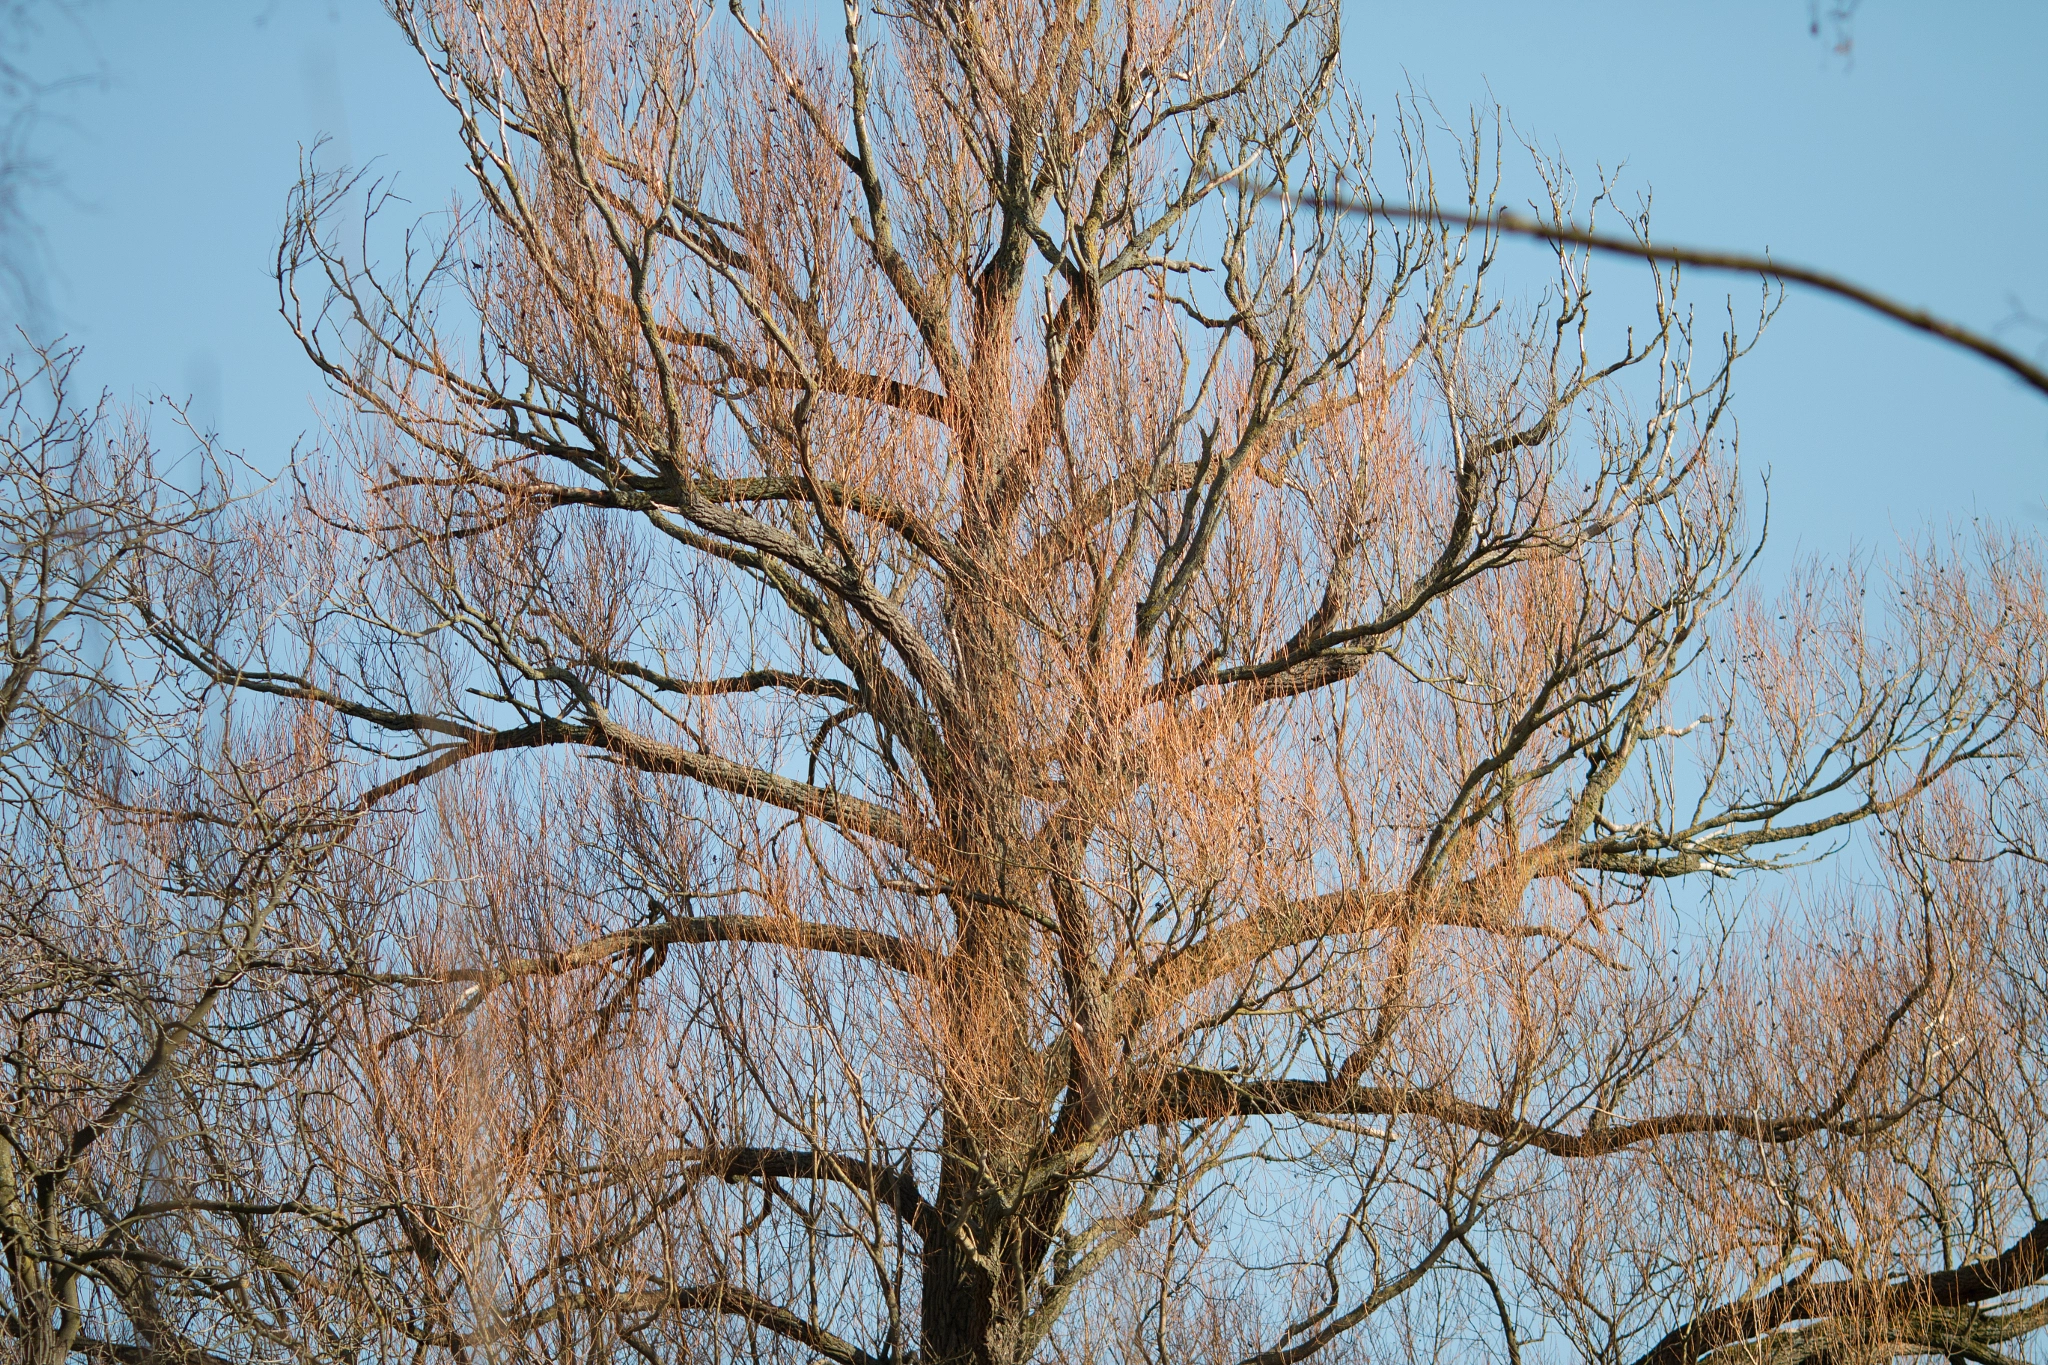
[
  {"x": 2018, "y": 1266},
  {"x": 1919, "y": 319}
]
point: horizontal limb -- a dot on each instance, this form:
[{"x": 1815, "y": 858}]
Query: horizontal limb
[{"x": 1192, "y": 1094}]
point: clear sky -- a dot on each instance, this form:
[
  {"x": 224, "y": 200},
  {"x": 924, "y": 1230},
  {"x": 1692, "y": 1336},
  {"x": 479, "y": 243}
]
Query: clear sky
[{"x": 1918, "y": 165}]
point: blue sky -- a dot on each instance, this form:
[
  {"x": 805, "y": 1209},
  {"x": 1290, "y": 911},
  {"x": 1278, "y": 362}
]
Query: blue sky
[{"x": 1919, "y": 165}]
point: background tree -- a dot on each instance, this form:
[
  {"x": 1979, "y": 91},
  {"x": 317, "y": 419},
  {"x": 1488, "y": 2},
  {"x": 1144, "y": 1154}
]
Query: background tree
[
  {"x": 153, "y": 860},
  {"x": 26, "y": 100},
  {"x": 971, "y": 746},
  {"x": 17, "y": 106}
]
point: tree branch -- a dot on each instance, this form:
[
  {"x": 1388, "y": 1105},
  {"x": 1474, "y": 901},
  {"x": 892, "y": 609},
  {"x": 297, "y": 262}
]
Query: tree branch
[
  {"x": 2018, "y": 1266},
  {"x": 886, "y": 949},
  {"x": 1919, "y": 319},
  {"x": 1191, "y": 1094}
]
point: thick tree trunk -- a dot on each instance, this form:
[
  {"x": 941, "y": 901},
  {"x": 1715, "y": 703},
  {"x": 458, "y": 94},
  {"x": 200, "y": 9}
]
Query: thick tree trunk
[
  {"x": 958, "y": 1311},
  {"x": 959, "y": 1308}
]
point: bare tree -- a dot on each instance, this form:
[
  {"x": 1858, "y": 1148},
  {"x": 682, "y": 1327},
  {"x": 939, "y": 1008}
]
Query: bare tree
[
  {"x": 965, "y": 745},
  {"x": 153, "y": 875}
]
